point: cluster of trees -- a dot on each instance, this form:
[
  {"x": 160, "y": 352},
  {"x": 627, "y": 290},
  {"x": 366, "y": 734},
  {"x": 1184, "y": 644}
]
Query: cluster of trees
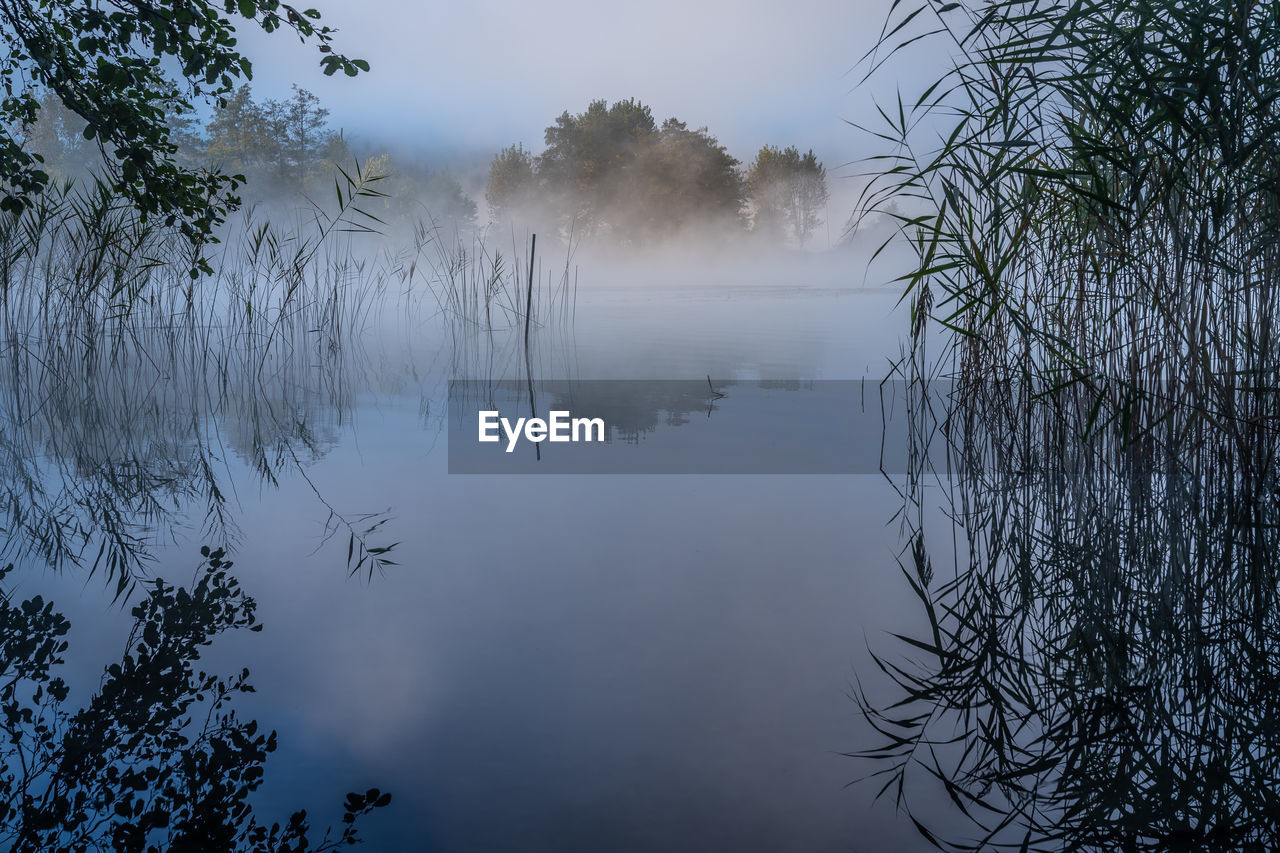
[
  {"x": 282, "y": 147},
  {"x": 112, "y": 96},
  {"x": 610, "y": 170},
  {"x": 613, "y": 169},
  {"x": 278, "y": 144}
]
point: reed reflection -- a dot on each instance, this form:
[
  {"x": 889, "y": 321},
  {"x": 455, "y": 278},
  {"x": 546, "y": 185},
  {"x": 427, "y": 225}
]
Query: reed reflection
[
  {"x": 1101, "y": 666},
  {"x": 100, "y": 463}
]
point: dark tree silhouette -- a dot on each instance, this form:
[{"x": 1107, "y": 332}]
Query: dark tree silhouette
[{"x": 157, "y": 760}]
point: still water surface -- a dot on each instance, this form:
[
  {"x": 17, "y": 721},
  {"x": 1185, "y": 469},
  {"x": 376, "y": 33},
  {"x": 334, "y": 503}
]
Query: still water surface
[{"x": 556, "y": 662}]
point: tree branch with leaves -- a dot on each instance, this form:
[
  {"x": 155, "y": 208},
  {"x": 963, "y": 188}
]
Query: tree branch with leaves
[{"x": 107, "y": 61}]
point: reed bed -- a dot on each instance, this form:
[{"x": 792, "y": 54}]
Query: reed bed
[
  {"x": 1095, "y": 230},
  {"x": 127, "y": 385},
  {"x": 491, "y": 300},
  {"x": 1101, "y": 209}
]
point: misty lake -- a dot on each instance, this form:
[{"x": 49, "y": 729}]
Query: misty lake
[
  {"x": 522, "y": 442},
  {"x": 620, "y": 662},
  {"x": 906, "y": 596}
]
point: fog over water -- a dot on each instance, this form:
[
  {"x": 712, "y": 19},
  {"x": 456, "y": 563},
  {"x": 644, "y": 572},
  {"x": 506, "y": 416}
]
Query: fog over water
[
  {"x": 930, "y": 508},
  {"x": 556, "y": 663},
  {"x": 542, "y": 663}
]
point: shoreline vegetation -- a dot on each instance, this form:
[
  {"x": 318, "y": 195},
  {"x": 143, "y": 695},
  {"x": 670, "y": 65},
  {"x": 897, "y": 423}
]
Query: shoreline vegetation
[
  {"x": 156, "y": 759},
  {"x": 91, "y": 288},
  {"x": 99, "y": 283},
  {"x": 1100, "y": 212},
  {"x": 100, "y": 322},
  {"x": 610, "y": 173},
  {"x": 1091, "y": 192}
]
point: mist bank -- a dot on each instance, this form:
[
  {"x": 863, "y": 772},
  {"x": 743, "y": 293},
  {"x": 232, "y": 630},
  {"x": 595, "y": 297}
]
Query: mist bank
[{"x": 610, "y": 174}]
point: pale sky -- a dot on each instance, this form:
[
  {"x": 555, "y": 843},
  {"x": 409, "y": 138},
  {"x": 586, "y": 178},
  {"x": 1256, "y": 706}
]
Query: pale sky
[{"x": 475, "y": 76}]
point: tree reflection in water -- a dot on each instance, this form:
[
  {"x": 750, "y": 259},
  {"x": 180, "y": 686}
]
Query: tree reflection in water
[
  {"x": 1102, "y": 667},
  {"x": 158, "y": 759}
]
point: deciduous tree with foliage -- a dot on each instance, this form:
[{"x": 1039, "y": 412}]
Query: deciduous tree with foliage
[
  {"x": 682, "y": 178},
  {"x": 788, "y": 191},
  {"x": 108, "y": 61},
  {"x": 279, "y": 145},
  {"x": 238, "y": 135},
  {"x": 304, "y": 135},
  {"x": 589, "y": 159},
  {"x": 612, "y": 168},
  {"x": 512, "y": 186}
]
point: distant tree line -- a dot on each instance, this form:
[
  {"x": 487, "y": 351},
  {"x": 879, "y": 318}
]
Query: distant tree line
[
  {"x": 613, "y": 169},
  {"x": 284, "y": 148}
]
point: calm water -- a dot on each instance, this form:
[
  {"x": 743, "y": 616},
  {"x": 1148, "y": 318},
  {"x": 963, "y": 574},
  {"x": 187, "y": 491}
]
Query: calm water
[
  {"x": 1089, "y": 636},
  {"x": 554, "y": 662}
]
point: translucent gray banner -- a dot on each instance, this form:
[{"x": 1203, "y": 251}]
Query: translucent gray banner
[{"x": 672, "y": 427}]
